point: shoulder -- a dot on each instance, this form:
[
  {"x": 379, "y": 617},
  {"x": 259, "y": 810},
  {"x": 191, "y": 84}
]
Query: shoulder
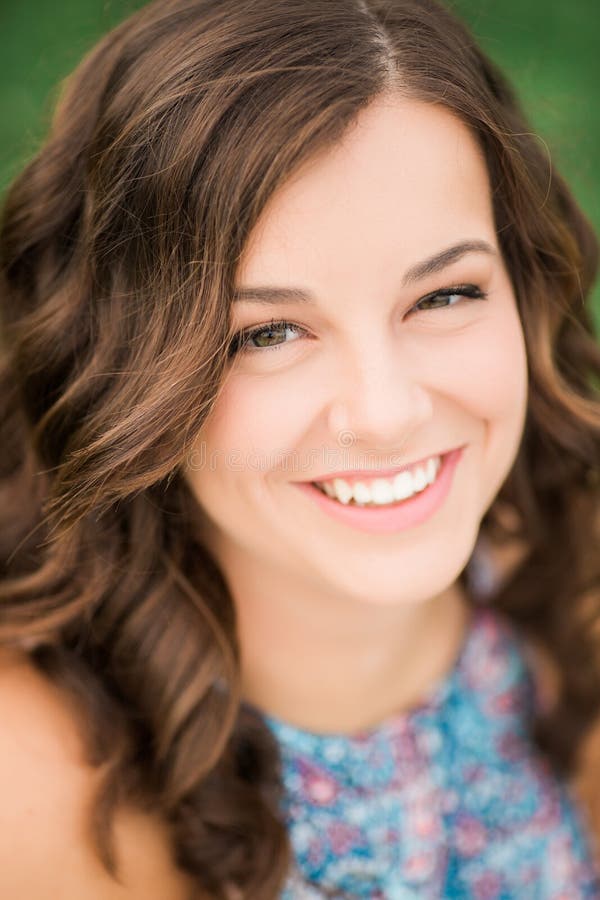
[{"x": 47, "y": 791}]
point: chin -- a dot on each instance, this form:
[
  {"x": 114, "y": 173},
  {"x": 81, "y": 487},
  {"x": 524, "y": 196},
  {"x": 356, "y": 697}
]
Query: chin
[{"x": 376, "y": 583}]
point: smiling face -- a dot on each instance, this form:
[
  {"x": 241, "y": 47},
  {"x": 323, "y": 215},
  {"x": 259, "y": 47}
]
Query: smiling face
[{"x": 404, "y": 343}]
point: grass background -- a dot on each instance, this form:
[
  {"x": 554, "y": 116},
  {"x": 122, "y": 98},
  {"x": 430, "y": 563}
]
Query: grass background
[{"x": 549, "y": 48}]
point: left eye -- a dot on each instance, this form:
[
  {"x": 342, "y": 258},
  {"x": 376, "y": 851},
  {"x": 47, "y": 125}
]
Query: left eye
[
  {"x": 449, "y": 297},
  {"x": 264, "y": 336}
]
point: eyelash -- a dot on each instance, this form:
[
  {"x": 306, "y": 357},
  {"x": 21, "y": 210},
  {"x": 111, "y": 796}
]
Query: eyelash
[{"x": 240, "y": 341}]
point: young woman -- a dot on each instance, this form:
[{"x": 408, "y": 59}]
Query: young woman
[{"x": 301, "y": 439}]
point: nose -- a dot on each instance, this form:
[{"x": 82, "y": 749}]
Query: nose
[{"x": 380, "y": 400}]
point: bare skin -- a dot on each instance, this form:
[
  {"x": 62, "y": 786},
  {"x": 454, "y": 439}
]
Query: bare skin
[{"x": 47, "y": 789}]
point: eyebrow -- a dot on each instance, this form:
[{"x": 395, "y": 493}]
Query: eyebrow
[{"x": 429, "y": 266}]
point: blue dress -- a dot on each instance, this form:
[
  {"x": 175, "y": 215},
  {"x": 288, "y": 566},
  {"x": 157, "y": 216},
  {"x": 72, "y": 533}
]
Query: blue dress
[{"x": 449, "y": 799}]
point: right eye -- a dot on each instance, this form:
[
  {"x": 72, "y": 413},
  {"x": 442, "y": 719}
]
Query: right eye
[{"x": 264, "y": 335}]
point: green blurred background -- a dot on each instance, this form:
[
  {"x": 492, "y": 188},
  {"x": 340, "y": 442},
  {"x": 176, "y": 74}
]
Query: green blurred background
[{"x": 549, "y": 48}]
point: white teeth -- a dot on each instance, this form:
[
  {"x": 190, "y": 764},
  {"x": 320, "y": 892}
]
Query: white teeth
[
  {"x": 383, "y": 491},
  {"x": 431, "y": 469},
  {"x": 403, "y": 486},
  {"x": 419, "y": 479},
  {"x": 361, "y": 493},
  {"x": 343, "y": 491}
]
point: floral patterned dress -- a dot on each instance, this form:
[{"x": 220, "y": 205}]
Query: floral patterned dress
[{"x": 447, "y": 800}]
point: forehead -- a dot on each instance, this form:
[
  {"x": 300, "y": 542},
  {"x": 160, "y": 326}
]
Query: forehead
[{"x": 406, "y": 179}]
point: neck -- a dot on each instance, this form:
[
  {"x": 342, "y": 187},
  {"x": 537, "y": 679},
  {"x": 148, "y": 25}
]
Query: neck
[{"x": 331, "y": 663}]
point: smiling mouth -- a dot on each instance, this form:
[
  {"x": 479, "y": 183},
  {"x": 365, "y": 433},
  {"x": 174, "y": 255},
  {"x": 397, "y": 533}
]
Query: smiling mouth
[{"x": 378, "y": 492}]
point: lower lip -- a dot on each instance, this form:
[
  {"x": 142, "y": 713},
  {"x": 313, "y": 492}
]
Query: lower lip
[{"x": 388, "y": 519}]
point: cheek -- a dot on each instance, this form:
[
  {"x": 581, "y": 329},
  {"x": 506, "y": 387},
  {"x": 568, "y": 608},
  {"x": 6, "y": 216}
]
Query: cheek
[
  {"x": 503, "y": 370},
  {"x": 254, "y": 426},
  {"x": 258, "y": 415},
  {"x": 494, "y": 385},
  {"x": 485, "y": 368}
]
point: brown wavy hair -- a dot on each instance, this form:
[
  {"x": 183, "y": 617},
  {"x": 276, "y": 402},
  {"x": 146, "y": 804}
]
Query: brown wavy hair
[{"x": 119, "y": 245}]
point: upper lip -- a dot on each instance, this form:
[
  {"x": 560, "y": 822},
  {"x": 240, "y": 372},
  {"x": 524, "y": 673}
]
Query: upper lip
[{"x": 352, "y": 475}]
